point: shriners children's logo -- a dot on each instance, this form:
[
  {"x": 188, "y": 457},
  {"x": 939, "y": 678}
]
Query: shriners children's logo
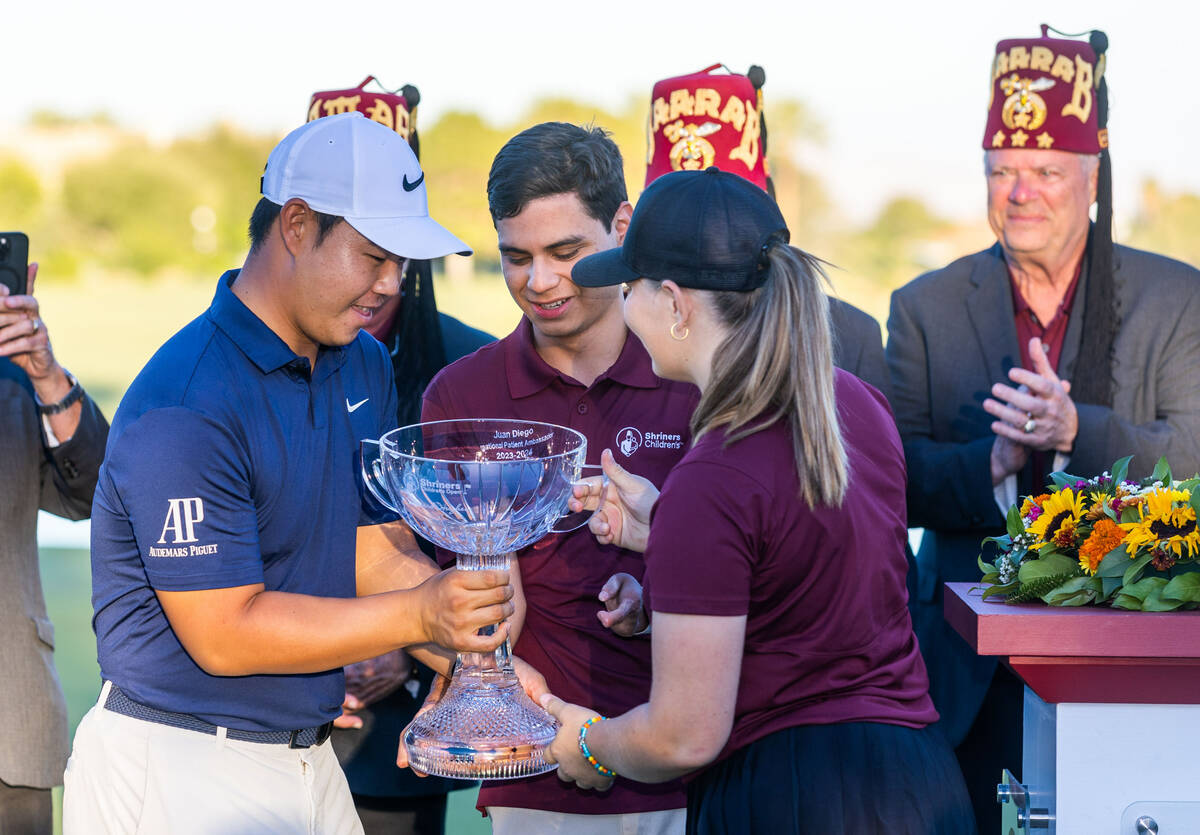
[{"x": 629, "y": 441}]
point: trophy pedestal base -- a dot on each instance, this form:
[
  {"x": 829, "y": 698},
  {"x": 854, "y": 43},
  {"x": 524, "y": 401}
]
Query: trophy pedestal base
[{"x": 482, "y": 730}]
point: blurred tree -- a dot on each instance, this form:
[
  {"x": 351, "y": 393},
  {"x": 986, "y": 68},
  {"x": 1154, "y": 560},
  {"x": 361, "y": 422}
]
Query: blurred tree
[
  {"x": 20, "y": 195},
  {"x": 186, "y": 206},
  {"x": 135, "y": 205},
  {"x": 888, "y": 251},
  {"x": 811, "y": 218},
  {"x": 456, "y": 153},
  {"x": 1168, "y": 224},
  {"x": 45, "y": 118}
]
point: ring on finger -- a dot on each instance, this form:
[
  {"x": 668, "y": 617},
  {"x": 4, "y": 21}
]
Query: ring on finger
[
  {"x": 37, "y": 324},
  {"x": 1030, "y": 426}
]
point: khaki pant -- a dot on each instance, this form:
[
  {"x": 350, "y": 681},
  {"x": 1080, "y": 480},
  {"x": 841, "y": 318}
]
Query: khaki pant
[
  {"x": 129, "y": 776},
  {"x": 509, "y": 821}
]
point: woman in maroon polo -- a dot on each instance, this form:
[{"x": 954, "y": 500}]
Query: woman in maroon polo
[{"x": 787, "y": 681}]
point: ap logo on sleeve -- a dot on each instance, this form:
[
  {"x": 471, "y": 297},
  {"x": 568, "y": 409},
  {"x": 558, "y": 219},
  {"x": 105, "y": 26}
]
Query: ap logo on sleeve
[{"x": 179, "y": 529}]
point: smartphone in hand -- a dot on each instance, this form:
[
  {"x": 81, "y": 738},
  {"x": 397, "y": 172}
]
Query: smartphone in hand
[{"x": 14, "y": 262}]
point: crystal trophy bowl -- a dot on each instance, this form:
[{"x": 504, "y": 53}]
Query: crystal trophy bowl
[{"x": 482, "y": 489}]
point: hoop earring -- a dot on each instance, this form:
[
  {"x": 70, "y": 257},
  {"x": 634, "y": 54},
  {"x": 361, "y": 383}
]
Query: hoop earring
[{"x": 676, "y": 336}]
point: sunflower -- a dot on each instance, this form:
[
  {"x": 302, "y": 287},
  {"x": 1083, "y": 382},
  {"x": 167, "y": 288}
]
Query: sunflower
[
  {"x": 1105, "y": 535},
  {"x": 1167, "y": 524},
  {"x": 1061, "y": 512}
]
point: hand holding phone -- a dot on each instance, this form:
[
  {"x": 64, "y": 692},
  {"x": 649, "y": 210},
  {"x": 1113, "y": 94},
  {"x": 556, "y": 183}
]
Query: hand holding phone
[
  {"x": 14, "y": 262},
  {"x": 23, "y": 337}
]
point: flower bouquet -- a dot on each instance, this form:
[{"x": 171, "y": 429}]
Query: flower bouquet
[{"x": 1105, "y": 540}]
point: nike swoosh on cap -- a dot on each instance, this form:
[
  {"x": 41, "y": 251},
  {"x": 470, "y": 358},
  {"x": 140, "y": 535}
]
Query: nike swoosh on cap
[
  {"x": 411, "y": 186},
  {"x": 353, "y": 408}
]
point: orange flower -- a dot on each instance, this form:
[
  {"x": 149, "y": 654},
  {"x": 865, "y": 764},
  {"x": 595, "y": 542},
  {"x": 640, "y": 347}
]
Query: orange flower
[
  {"x": 1105, "y": 536},
  {"x": 1033, "y": 505}
]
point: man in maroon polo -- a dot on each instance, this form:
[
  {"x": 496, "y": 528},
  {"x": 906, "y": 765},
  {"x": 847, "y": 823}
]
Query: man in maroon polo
[{"x": 557, "y": 193}]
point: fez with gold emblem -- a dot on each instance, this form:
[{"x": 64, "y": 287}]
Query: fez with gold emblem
[
  {"x": 1044, "y": 96},
  {"x": 707, "y": 119}
]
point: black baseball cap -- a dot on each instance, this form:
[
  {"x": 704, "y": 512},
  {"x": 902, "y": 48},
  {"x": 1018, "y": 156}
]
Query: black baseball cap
[{"x": 709, "y": 229}]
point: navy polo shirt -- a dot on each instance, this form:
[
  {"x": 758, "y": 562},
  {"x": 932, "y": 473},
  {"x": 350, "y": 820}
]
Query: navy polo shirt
[{"x": 231, "y": 462}]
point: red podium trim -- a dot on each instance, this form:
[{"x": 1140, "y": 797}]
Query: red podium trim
[{"x": 1085, "y": 654}]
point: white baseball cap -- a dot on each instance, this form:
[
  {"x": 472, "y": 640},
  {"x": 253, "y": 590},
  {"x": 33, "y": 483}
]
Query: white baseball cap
[{"x": 350, "y": 166}]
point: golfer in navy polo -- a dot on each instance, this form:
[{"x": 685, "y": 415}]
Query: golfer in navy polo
[{"x": 235, "y": 565}]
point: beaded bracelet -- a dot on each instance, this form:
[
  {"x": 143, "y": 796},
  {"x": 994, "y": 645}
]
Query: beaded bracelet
[{"x": 587, "y": 755}]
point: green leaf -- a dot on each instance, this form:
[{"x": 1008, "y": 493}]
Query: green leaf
[
  {"x": 1048, "y": 566},
  {"x": 1013, "y": 521},
  {"x": 1195, "y": 500},
  {"x": 1115, "y": 563},
  {"x": 1162, "y": 471},
  {"x": 1062, "y": 480},
  {"x": 1156, "y": 602},
  {"x": 1133, "y": 596},
  {"x": 1121, "y": 469},
  {"x": 992, "y": 577},
  {"x": 1135, "y": 570},
  {"x": 985, "y": 566},
  {"x": 1005, "y": 589},
  {"x": 1109, "y": 585},
  {"x": 1130, "y": 514},
  {"x": 1037, "y": 588},
  {"x": 1078, "y": 591},
  {"x": 1184, "y": 588}
]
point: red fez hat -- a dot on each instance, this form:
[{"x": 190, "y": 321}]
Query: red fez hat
[
  {"x": 396, "y": 110},
  {"x": 706, "y": 119},
  {"x": 1044, "y": 95}
]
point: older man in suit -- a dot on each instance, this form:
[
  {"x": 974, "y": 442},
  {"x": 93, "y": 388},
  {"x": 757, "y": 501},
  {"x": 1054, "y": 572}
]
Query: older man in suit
[
  {"x": 1052, "y": 349},
  {"x": 52, "y": 439}
]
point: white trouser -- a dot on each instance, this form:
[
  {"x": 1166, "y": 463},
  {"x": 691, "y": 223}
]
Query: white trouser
[
  {"x": 507, "y": 820},
  {"x": 128, "y": 776}
]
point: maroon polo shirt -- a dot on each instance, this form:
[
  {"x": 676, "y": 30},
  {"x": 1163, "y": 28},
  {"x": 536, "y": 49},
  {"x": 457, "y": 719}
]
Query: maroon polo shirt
[
  {"x": 828, "y": 636},
  {"x": 644, "y": 421}
]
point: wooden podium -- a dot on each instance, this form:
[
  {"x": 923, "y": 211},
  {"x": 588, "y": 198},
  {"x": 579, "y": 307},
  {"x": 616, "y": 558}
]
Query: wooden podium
[{"x": 1112, "y": 712}]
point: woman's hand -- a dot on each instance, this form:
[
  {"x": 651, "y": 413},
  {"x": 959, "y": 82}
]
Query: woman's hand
[
  {"x": 436, "y": 690},
  {"x": 623, "y": 612},
  {"x": 564, "y": 750},
  {"x": 624, "y": 518}
]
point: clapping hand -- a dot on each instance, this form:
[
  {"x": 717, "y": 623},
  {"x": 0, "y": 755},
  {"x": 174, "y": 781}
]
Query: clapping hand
[{"x": 1039, "y": 412}]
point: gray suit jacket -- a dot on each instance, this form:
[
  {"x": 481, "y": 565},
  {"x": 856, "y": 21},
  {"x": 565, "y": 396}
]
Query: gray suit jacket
[
  {"x": 59, "y": 480},
  {"x": 951, "y": 335},
  {"x": 858, "y": 345}
]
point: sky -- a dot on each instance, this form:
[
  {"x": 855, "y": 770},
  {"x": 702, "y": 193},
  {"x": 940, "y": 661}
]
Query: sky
[{"x": 901, "y": 88}]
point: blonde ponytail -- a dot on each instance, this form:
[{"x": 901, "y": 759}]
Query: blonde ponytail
[{"x": 777, "y": 362}]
